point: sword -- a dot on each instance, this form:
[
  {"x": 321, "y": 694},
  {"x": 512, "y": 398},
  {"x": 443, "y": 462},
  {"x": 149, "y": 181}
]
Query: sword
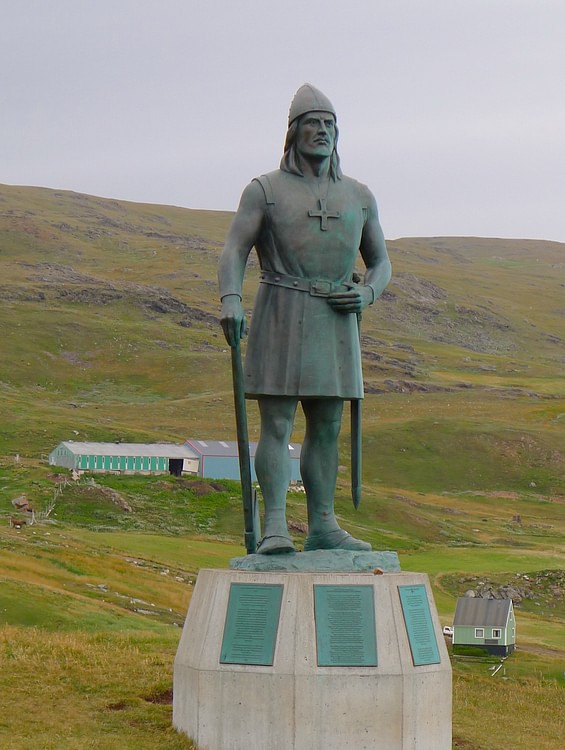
[
  {"x": 356, "y": 452},
  {"x": 356, "y": 441},
  {"x": 249, "y": 500}
]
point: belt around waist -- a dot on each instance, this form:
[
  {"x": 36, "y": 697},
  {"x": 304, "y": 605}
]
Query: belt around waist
[{"x": 314, "y": 287}]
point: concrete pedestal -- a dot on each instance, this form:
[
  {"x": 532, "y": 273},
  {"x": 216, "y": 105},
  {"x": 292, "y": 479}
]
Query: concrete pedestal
[{"x": 295, "y": 704}]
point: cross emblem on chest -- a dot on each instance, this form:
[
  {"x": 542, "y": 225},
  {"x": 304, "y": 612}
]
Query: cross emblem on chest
[{"x": 323, "y": 214}]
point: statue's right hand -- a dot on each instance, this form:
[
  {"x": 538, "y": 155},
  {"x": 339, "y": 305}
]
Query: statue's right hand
[{"x": 233, "y": 319}]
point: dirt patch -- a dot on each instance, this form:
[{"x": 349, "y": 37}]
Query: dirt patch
[
  {"x": 55, "y": 272},
  {"x": 20, "y": 294},
  {"x": 409, "y": 386},
  {"x": 111, "y": 495},
  {"x": 541, "y": 650},
  {"x": 298, "y": 526},
  {"x": 90, "y": 295},
  {"x": 461, "y": 744},
  {"x": 503, "y": 495},
  {"x": 418, "y": 289},
  {"x": 160, "y": 696},
  {"x": 73, "y": 358},
  {"x": 200, "y": 488}
]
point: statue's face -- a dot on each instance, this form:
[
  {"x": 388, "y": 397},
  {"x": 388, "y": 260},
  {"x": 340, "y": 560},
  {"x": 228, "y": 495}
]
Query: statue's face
[{"x": 316, "y": 135}]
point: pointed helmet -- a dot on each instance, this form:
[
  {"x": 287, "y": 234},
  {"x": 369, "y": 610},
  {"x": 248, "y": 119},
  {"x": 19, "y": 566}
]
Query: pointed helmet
[{"x": 309, "y": 99}]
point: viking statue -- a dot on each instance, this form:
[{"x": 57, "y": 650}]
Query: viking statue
[{"x": 308, "y": 222}]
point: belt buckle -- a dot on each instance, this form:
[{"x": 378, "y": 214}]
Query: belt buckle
[{"x": 320, "y": 288}]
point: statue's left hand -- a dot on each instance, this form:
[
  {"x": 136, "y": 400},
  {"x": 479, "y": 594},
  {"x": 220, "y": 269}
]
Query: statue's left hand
[{"x": 353, "y": 301}]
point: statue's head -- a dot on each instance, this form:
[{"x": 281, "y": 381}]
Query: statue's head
[{"x": 309, "y": 103}]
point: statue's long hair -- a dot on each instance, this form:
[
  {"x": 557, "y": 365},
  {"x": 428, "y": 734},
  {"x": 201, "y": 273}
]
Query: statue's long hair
[{"x": 290, "y": 161}]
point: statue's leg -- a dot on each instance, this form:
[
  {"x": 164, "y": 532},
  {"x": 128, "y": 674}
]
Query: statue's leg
[
  {"x": 319, "y": 460},
  {"x": 318, "y": 466},
  {"x": 272, "y": 465}
]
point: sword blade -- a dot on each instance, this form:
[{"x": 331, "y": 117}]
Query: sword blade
[
  {"x": 356, "y": 452},
  {"x": 356, "y": 440}
]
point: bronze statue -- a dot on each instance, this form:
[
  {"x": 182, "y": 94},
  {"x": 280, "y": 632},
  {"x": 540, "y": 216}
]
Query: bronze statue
[{"x": 307, "y": 222}]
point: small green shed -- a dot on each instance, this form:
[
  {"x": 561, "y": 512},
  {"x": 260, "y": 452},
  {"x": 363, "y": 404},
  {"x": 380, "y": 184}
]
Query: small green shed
[{"x": 486, "y": 623}]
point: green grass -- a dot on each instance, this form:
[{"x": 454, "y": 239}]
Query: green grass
[
  {"x": 188, "y": 552},
  {"x": 457, "y": 456},
  {"x": 108, "y": 690},
  {"x": 35, "y": 606},
  {"x": 495, "y": 713},
  {"x": 488, "y": 560},
  {"x": 66, "y": 604}
]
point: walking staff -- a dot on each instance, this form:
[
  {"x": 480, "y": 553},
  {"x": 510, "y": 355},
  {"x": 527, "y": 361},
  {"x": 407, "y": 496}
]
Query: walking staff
[{"x": 249, "y": 513}]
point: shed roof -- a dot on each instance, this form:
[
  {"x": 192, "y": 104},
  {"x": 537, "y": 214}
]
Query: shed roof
[
  {"x": 228, "y": 448},
  {"x": 164, "y": 450},
  {"x": 472, "y": 611}
]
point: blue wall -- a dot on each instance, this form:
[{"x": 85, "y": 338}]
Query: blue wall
[{"x": 223, "y": 467}]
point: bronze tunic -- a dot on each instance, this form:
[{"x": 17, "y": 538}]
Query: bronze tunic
[{"x": 298, "y": 345}]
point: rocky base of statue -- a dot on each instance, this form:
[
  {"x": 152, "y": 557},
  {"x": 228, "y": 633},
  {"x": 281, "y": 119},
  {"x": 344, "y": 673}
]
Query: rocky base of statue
[
  {"x": 320, "y": 561},
  {"x": 313, "y": 660}
]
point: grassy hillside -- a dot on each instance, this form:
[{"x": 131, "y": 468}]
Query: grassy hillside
[{"x": 109, "y": 317}]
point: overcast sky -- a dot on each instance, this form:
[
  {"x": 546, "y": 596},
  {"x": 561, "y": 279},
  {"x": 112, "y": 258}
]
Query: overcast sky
[{"x": 452, "y": 111}]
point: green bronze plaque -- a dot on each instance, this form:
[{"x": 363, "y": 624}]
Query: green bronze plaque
[
  {"x": 419, "y": 626},
  {"x": 252, "y": 621},
  {"x": 346, "y": 635}
]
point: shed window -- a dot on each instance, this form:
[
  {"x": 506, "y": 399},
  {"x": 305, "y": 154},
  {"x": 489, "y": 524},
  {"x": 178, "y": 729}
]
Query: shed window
[
  {"x": 479, "y": 632},
  {"x": 496, "y": 632}
]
